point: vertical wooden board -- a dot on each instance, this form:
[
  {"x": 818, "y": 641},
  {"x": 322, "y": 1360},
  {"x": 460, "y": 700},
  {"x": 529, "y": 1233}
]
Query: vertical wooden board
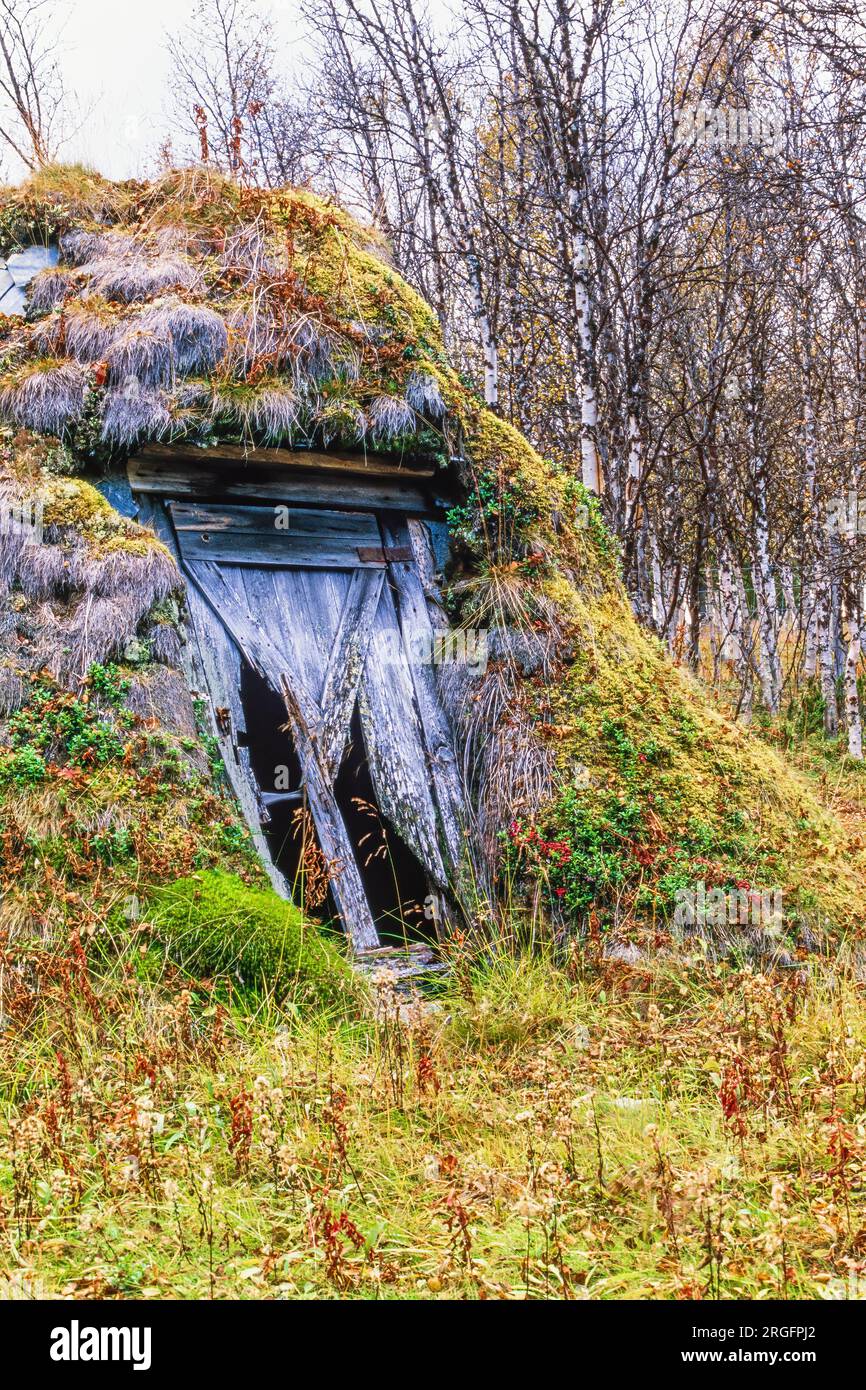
[
  {"x": 346, "y": 662},
  {"x": 417, "y": 632},
  {"x": 239, "y": 598},
  {"x": 326, "y": 618},
  {"x": 303, "y": 616},
  {"x": 346, "y": 884},
  {"x": 394, "y": 743},
  {"x": 212, "y": 664}
]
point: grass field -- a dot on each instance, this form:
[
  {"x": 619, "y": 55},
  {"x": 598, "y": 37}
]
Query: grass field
[{"x": 673, "y": 1129}]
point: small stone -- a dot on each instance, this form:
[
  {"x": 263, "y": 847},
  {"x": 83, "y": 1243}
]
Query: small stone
[{"x": 136, "y": 653}]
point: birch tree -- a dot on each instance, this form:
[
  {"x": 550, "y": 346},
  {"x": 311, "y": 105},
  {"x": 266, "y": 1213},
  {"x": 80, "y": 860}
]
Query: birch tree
[{"x": 31, "y": 82}]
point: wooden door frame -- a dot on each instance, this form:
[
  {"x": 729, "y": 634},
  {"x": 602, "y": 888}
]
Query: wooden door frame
[{"x": 156, "y": 487}]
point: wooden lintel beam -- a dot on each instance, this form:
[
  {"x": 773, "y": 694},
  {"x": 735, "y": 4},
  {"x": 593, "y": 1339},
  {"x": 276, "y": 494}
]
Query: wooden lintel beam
[
  {"x": 370, "y": 465},
  {"x": 207, "y": 480}
]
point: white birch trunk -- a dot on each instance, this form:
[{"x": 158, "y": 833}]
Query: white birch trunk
[
  {"x": 589, "y": 458},
  {"x": 659, "y": 608},
  {"x": 635, "y": 469},
  {"x": 827, "y": 659},
  {"x": 853, "y": 721},
  {"x": 728, "y": 611},
  {"x": 769, "y": 665},
  {"x": 489, "y": 352},
  {"x": 810, "y": 660}
]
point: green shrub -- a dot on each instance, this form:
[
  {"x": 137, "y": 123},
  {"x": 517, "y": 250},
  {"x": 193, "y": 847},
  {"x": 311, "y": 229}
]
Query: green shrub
[
  {"x": 58, "y": 726},
  {"x": 108, "y": 682},
  {"x": 215, "y": 924},
  {"x": 22, "y": 768}
]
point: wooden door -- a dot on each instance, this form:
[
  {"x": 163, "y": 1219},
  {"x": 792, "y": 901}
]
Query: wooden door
[{"x": 307, "y": 597}]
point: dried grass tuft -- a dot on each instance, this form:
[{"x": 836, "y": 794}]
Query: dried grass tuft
[
  {"x": 390, "y": 416},
  {"x": 165, "y": 644},
  {"x": 99, "y": 631},
  {"x": 48, "y": 336},
  {"x": 134, "y": 279},
  {"x": 269, "y": 411},
  {"x": 48, "y": 289},
  {"x": 198, "y": 336},
  {"x": 79, "y": 247},
  {"x": 172, "y": 239},
  {"x": 44, "y": 571},
  {"x": 245, "y": 256},
  {"x": 311, "y": 351},
  {"x": 507, "y": 769},
  {"x": 251, "y": 336},
  {"x": 90, "y": 333},
  {"x": 142, "y": 354},
  {"x": 12, "y": 690},
  {"x": 47, "y": 399},
  {"x": 139, "y": 580},
  {"x": 134, "y": 414},
  {"x": 424, "y": 395},
  {"x": 193, "y": 395},
  {"x": 12, "y": 541}
]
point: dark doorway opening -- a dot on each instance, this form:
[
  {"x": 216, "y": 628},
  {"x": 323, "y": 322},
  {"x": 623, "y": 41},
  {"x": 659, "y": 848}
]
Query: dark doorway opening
[
  {"x": 275, "y": 767},
  {"x": 395, "y": 882}
]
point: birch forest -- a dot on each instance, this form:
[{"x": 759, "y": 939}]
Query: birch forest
[{"x": 642, "y": 230}]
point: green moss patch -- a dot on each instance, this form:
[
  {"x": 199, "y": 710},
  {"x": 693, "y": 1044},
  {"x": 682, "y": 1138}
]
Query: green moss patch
[{"x": 214, "y": 924}]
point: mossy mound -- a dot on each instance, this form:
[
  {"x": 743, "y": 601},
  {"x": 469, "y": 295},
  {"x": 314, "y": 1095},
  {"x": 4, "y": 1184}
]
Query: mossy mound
[
  {"x": 215, "y": 924},
  {"x": 581, "y": 734},
  {"x": 657, "y": 791}
]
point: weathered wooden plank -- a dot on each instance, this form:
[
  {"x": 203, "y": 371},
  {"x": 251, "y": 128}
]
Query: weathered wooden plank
[
  {"x": 274, "y": 552},
  {"x": 376, "y": 465},
  {"x": 358, "y": 527},
  {"x": 210, "y": 480},
  {"x": 251, "y": 536},
  {"x": 346, "y": 662},
  {"x": 418, "y": 633},
  {"x": 307, "y": 621},
  {"x": 225, "y": 589},
  {"x": 212, "y": 666},
  {"x": 394, "y": 743},
  {"x": 346, "y": 884}
]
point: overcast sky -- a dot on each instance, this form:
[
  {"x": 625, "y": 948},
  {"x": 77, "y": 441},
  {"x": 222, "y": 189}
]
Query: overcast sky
[{"x": 116, "y": 67}]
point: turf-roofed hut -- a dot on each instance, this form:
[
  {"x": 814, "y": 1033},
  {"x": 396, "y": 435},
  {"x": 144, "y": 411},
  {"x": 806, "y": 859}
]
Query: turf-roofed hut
[{"x": 240, "y": 476}]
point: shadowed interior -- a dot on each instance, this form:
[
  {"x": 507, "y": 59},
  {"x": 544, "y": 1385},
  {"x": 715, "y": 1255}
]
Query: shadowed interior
[{"x": 394, "y": 881}]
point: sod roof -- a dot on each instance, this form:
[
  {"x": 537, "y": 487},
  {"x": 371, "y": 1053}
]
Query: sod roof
[{"x": 194, "y": 311}]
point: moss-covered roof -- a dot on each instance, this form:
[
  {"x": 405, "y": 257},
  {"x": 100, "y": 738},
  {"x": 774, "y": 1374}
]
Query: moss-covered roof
[{"x": 193, "y": 310}]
